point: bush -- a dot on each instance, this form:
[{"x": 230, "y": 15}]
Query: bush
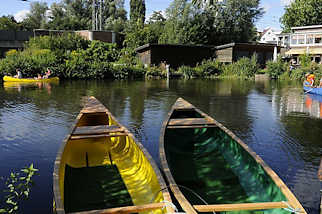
[
  {"x": 61, "y": 45},
  {"x": 209, "y": 68},
  {"x": 30, "y": 62},
  {"x": 154, "y": 71},
  {"x": 243, "y": 68},
  {"x": 128, "y": 71},
  {"x": 275, "y": 69},
  {"x": 187, "y": 72}
]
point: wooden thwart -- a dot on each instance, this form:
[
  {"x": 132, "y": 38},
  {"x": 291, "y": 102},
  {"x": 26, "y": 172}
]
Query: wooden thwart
[
  {"x": 80, "y": 137},
  {"x": 96, "y": 130},
  {"x": 189, "y": 121},
  {"x": 235, "y": 207},
  {"x": 125, "y": 210}
]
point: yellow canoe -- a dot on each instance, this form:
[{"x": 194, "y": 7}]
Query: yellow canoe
[
  {"x": 102, "y": 168},
  {"x": 13, "y": 79}
]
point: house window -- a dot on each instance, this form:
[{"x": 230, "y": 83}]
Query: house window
[
  {"x": 301, "y": 39},
  {"x": 294, "y": 40},
  {"x": 309, "y": 39}
]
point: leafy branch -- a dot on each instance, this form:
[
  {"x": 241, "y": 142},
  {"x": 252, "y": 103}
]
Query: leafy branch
[{"x": 18, "y": 188}]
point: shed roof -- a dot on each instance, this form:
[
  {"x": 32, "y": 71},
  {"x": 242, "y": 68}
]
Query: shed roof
[
  {"x": 147, "y": 46},
  {"x": 249, "y": 44}
]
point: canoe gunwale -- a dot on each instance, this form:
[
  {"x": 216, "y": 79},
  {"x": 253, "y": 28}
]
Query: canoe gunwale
[
  {"x": 59, "y": 206},
  {"x": 312, "y": 90},
  {"x": 237, "y": 207},
  {"x": 291, "y": 199},
  {"x": 127, "y": 209}
]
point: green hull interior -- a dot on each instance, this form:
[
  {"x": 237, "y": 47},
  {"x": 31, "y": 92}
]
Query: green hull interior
[
  {"x": 208, "y": 162},
  {"x": 94, "y": 188}
]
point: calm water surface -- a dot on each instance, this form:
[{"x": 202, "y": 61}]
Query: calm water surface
[{"x": 276, "y": 119}]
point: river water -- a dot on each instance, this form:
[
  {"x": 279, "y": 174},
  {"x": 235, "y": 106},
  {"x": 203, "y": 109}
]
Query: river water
[{"x": 276, "y": 119}]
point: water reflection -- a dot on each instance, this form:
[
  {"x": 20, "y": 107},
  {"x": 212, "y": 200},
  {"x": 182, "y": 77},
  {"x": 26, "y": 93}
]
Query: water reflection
[
  {"x": 295, "y": 103},
  {"x": 34, "y": 121}
]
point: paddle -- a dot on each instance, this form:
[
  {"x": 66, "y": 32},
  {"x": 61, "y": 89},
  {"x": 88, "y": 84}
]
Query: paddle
[{"x": 308, "y": 91}]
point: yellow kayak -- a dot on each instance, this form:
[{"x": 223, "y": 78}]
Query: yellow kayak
[
  {"x": 102, "y": 168},
  {"x": 13, "y": 79}
]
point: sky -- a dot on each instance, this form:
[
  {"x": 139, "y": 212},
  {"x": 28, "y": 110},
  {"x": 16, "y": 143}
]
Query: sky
[{"x": 274, "y": 9}]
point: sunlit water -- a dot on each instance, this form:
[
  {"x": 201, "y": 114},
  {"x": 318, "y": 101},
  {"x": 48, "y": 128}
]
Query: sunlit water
[{"x": 276, "y": 119}]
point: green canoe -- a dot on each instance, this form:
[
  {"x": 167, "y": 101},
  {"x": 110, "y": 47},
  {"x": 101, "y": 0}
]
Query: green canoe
[{"x": 209, "y": 169}]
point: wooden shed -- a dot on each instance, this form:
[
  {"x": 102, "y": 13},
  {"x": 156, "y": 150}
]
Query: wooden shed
[
  {"x": 175, "y": 55},
  {"x": 231, "y": 52}
]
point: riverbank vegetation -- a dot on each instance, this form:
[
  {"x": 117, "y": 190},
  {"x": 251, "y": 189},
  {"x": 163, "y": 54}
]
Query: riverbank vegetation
[
  {"x": 285, "y": 71},
  {"x": 18, "y": 187}
]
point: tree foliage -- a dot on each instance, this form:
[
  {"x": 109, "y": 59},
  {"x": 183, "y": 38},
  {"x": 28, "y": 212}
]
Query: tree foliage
[
  {"x": 9, "y": 23},
  {"x": 36, "y": 18},
  {"x": 302, "y": 13},
  {"x": 219, "y": 23},
  {"x": 137, "y": 11},
  {"x": 75, "y": 15}
]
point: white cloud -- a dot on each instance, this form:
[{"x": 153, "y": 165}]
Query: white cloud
[
  {"x": 267, "y": 7},
  {"x": 21, "y": 15},
  {"x": 286, "y": 2}
]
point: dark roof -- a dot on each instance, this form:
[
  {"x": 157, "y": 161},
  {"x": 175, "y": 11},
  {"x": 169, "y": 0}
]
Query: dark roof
[{"x": 249, "y": 44}]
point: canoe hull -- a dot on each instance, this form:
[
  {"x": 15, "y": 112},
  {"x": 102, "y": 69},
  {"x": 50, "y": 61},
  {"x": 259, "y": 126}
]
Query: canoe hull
[
  {"x": 112, "y": 168},
  {"x": 205, "y": 162},
  {"x": 29, "y": 80},
  {"x": 311, "y": 90}
]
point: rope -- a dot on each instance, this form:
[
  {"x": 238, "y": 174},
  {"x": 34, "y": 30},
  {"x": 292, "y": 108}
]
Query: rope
[
  {"x": 169, "y": 204},
  {"x": 172, "y": 205},
  {"x": 291, "y": 209}
]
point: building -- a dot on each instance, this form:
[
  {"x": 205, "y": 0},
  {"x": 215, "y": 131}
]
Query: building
[
  {"x": 269, "y": 35},
  {"x": 175, "y": 55},
  {"x": 13, "y": 40},
  {"x": 303, "y": 40},
  {"x": 232, "y": 52},
  {"x": 104, "y": 36}
]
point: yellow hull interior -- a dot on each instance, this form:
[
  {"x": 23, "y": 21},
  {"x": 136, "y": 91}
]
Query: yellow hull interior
[{"x": 134, "y": 168}]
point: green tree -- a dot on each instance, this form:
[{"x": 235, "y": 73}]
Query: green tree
[
  {"x": 137, "y": 11},
  {"x": 36, "y": 18},
  {"x": 180, "y": 25},
  {"x": 302, "y": 13},
  {"x": 115, "y": 15},
  {"x": 8, "y": 23},
  {"x": 220, "y": 23},
  {"x": 77, "y": 15}
]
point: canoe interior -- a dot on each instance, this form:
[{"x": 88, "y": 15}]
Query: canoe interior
[
  {"x": 210, "y": 163},
  {"x": 105, "y": 172}
]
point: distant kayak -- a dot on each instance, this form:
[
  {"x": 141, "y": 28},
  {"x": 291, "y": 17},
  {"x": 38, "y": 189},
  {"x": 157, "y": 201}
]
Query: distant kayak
[
  {"x": 312, "y": 90},
  {"x": 13, "y": 79}
]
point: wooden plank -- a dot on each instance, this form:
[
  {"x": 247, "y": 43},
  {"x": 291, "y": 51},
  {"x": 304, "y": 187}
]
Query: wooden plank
[
  {"x": 91, "y": 130},
  {"x": 191, "y": 127},
  {"x": 188, "y": 121},
  {"x": 320, "y": 171},
  {"x": 80, "y": 137},
  {"x": 128, "y": 209},
  {"x": 236, "y": 207}
]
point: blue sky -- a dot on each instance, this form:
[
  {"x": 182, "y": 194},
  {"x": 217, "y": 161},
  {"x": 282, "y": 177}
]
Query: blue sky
[{"x": 274, "y": 9}]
